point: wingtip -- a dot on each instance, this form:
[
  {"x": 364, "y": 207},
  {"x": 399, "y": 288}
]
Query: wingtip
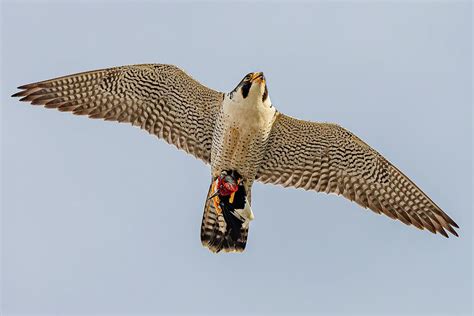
[
  {"x": 452, "y": 232},
  {"x": 455, "y": 233},
  {"x": 25, "y": 89},
  {"x": 443, "y": 232},
  {"x": 26, "y": 98},
  {"x": 17, "y": 94},
  {"x": 27, "y": 86}
]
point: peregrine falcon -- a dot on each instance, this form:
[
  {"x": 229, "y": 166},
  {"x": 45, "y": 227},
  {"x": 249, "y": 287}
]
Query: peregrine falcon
[{"x": 244, "y": 139}]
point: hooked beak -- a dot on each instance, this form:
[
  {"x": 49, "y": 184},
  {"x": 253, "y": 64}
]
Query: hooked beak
[{"x": 257, "y": 77}]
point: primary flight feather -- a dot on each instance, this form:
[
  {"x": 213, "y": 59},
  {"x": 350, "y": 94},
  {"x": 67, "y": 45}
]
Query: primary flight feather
[{"x": 244, "y": 138}]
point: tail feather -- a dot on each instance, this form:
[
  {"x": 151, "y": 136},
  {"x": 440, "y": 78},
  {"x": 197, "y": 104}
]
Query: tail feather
[
  {"x": 222, "y": 229},
  {"x": 213, "y": 227}
]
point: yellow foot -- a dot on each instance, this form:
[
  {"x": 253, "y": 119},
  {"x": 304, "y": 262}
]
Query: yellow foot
[
  {"x": 216, "y": 199},
  {"x": 216, "y": 205}
]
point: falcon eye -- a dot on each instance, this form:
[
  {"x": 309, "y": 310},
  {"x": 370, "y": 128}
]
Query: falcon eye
[{"x": 246, "y": 89}]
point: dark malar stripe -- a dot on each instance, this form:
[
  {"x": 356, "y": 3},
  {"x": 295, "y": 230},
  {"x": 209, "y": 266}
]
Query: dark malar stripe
[
  {"x": 246, "y": 89},
  {"x": 265, "y": 94}
]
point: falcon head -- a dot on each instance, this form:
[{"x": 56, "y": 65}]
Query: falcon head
[{"x": 252, "y": 88}]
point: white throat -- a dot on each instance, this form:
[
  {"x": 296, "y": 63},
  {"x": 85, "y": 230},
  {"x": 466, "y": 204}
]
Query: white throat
[{"x": 249, "y": 112}]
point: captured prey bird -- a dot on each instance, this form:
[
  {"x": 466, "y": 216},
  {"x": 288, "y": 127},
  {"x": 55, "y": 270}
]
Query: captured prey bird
[{"x": 244, "y": 139}]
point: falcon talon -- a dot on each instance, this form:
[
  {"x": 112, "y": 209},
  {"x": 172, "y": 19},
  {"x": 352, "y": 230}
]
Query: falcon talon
[
  {"x": 244, "y": 138},
  {"x": 217, "y": 206},
  {"x": 231, "y": 198}
]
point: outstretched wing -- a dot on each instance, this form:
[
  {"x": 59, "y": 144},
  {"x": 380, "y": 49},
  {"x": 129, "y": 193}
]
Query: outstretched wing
[
  {"x": 161, "y": 99},
  {"x": 327, "y": 158}
]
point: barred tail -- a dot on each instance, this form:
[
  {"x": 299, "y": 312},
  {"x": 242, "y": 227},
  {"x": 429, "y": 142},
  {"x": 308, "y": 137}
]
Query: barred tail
[{"x": 221, "y": 228}]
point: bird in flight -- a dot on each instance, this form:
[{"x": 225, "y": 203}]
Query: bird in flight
[{"x": 244, "y": 139}]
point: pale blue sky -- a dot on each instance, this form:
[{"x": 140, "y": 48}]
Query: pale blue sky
[{"x": 93, "y": 217}]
